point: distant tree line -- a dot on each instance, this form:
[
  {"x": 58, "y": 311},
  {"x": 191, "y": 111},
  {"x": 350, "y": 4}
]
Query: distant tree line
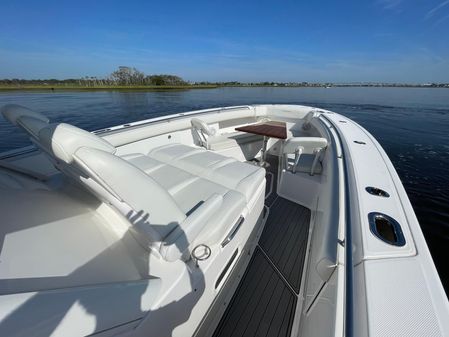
[
  {"x": 123, "y": 76},
  {"x": 130, "y": 76}
]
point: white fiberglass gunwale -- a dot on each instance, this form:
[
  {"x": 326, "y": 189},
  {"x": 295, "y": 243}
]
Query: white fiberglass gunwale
[
  {"x": 392, "y": 275},
  {"x": 168, "y": 118}
]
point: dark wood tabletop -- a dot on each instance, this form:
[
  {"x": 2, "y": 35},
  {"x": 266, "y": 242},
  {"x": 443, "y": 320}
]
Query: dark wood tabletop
[{"x": 269, "y": 129}]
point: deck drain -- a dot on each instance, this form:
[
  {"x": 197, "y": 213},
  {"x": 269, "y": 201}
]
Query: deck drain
[{"x": 359, "y": 142}]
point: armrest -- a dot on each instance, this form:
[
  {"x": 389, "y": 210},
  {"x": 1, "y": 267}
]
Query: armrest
[{"x": 180, "y": 239}]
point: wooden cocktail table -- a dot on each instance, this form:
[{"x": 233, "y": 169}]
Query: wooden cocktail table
[{"x": 268, "y": 130}]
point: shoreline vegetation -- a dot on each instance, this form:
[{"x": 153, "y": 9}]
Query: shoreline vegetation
[{"x": 127, "y": 78}]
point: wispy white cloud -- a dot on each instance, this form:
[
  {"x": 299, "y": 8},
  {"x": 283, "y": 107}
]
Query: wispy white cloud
[
  {"x": 440, "y": 21},
  {"x": 434, "y": 10},
  {"x": 390, "y": 4}
]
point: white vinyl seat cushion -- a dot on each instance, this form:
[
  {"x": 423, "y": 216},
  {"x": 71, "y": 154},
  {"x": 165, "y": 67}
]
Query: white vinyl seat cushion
[
  {"x": 143, "y": 162},
  {"x": 170, "y": 152},
  {"x": 191, "y": 159},
  {"x": 192, "y": 175},
  {"x": 190, "y": 192},
  {"x": 169, "y": 177},
  {"x": 200, "y": 163},
  {"x": 241, "y": 177}
]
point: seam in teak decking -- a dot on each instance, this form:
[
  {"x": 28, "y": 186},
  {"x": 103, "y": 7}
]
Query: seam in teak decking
[{"x": 265, "y": 300}]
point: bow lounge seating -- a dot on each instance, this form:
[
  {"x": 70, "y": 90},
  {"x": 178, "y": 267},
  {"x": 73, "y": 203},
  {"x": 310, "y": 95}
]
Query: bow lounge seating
[
  {"x": 175, "y": 197},
  {"x": 172, "y": 204}
]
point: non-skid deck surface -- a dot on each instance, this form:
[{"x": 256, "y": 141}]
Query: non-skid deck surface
[
  {"x": 284, "y": 239},
  {"x": 264, "y": 303}
]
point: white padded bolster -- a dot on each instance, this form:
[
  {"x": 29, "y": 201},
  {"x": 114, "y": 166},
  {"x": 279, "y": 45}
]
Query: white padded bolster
[
  {"x": 63, "y": 140},
  {"x": 308, "y": 144},
  {"x": 155, "y": 210},
  {"x": 12, "y": 112}
]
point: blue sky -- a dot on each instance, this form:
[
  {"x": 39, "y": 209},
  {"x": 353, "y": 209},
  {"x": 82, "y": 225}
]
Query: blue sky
[{"x": 336, "y": 41}]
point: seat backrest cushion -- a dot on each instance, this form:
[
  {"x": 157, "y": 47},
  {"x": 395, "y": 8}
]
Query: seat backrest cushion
[
  {"x": 12, "y": 112},
  {"x": 201, "y": 125},
  {"x": 31, "y": 121},
  {"x": 154, "y": 212},
  {"x": 62, "y": 140},
  {"x": 308, "y": 145}
]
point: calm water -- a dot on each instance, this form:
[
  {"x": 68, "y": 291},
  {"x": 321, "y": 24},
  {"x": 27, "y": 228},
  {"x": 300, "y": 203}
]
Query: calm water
[{"x": 411, "y": 124}]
